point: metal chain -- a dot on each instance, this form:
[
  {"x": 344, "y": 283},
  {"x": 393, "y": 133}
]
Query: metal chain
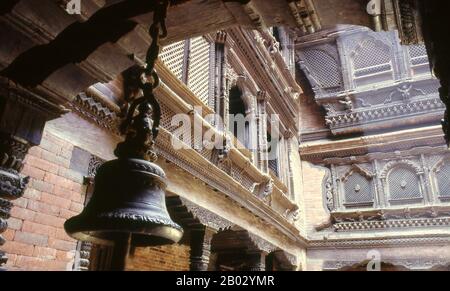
[{"x": 139, "y": 141}]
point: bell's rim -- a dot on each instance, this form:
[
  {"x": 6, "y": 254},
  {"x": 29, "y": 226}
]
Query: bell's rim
[{"x": 148, "y": 231}]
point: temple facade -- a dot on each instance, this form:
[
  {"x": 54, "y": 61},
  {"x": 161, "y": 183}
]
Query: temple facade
[{"x": 295, "y": 136}]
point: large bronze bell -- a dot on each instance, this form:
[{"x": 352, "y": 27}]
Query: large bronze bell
[{"x": 128, "y": 198}]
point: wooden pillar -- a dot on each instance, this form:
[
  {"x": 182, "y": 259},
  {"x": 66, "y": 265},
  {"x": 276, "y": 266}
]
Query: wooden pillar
[
  {"x": 256, "y": 261},
  {"x": 22, "y": 119},
  {"x": 219, "y": 98},
  {"x": 200, "y": 249},
  {"x": 261, "y": 120}
]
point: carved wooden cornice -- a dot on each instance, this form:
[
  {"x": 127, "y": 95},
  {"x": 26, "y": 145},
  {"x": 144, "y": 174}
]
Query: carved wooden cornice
[
  {"x": 371, "y": 147},
  {"x": 361, "y": 121},
  {"x": 421, "y": 264},
  {"x": 377, "y": 220},
  {"x": 364, "y": 243}
]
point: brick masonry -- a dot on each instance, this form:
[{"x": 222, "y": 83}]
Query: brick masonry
[
  {"x": 165, "y": 258},
  {"x": 36, "y": 239}
]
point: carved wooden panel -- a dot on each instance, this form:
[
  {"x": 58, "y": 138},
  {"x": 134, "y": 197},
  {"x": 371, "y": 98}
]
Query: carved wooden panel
[
  {"x": 404, "y": 185},
  {"x": 419, "y": 59},
  {"x": 359, "y": 191},
  {"x": 372, "y": 62},
  {"x": 324, "y": 65},
  {"x": 441, "y": 177}
]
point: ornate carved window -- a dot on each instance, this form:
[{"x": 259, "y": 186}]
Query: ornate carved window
[
  {"x": 173, "y": 57},
  {"x": 442, "y": 179},
  {"x": 199, "y": 68},
  {"x": 419, "y": 59},
  {"x": 324, "y": 69},
  {"x": 404, "y": 185},
  {"x": 359, "y": 188},
  {"x": 372, "y": 62}
]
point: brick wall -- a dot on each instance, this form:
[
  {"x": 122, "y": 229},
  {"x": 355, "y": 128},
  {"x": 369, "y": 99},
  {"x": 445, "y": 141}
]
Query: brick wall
[
  {"x": 36, "y": 239},
  {"x": 165, "y": 258},
  {"x": 311, "y": 115},
  {"x": 315, "y": 212}
]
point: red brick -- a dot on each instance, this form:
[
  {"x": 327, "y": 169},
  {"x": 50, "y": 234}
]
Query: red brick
[
  {"x": 11, "y": 261},
  {"x": 51, "y": 146},
  {"x": 35, "y": 151},
  {"x": 37, "y": 228},
  {"x": 44, "y": 253},
  {"x": 22, "y": 213},
  {"x": 32, "y": 194},
  {"x": 62, "y": 245},
  {"x": 41, "y": 164},
  {"x": 77, "y": 197},
  {"x": 30, "y": 263},
  {"x": 54, "y": 158},
  {"x": 31, "y": 238},
  {"x": 44, "y": 208},
  {"x": 71, "y": 175},
  {"x": 59, "y": 266},
  {"x": 49, "y": 220},
  {"x": 79, "y": 188},
  {"x": 14, "y": 223},
  {"x": 42, "y": 186},
  {"x": 62, "y": 192},
  {"x": 21, "y": 202},
  {"x": 55, "y": 139},
  {"x": 76, "y": 207},
  {"x": 66, "y": 153},
  {"x": 33, "y": 172},
  {"x": 55, "y": 200},
  {"x": 9, "y": 234},
  {"x": 66, "y": 214},
  {"x": 64, "y": 256},
  {"x": 57, "y": 180},
  {"x": 62, "y": 235}
]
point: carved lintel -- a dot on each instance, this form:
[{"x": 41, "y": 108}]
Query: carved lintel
[
  {"x": 206, "y": 217},
  {"x": 261, "y": 244}
]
